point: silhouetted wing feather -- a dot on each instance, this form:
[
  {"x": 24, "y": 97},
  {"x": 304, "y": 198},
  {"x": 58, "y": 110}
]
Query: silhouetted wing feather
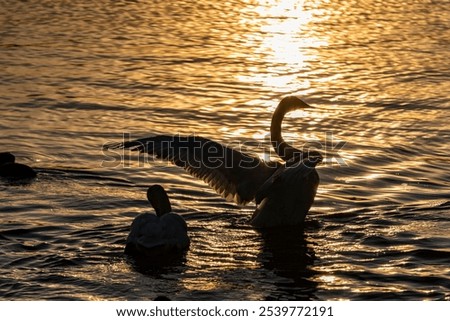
[{"x": 234, "y": 175}]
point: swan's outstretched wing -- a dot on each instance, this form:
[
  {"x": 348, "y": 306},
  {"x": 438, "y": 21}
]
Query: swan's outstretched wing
[{"x": 234, "y": 175}]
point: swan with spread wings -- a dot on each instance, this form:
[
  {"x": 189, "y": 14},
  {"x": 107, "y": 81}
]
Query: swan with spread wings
[{"x": 282, "y": 191}]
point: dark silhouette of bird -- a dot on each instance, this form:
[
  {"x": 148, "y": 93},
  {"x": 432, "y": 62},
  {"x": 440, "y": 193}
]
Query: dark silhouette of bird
[
  {"x": 12, "y": 170},
  {"x": 282, "y": 191},
  {"x": 160, "y": 235}
]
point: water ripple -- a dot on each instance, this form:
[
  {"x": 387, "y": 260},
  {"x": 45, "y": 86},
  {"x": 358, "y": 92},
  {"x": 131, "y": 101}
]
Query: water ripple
[{"x": 77, "y": 75}]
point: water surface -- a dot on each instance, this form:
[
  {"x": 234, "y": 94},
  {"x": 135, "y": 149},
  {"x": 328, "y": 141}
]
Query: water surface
[{"x": 76, "y": 75}]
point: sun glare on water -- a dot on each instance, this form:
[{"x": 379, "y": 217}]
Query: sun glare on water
[{"x": 283, "y": 44}]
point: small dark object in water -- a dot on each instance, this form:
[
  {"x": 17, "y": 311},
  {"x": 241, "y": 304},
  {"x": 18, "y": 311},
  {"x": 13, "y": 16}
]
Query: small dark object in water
[{"x": 12, "y": 170}]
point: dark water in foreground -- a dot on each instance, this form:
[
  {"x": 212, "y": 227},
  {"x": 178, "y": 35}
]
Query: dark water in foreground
[{"x": 75, "y": 75}]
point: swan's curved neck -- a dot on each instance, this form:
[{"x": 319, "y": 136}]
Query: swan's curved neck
[
  {"x": 159, "y": 200},
  {"x": 283, "y": 149}
]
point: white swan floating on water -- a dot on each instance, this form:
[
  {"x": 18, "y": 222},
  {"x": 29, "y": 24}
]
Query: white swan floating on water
[
  {"x": 283, "y": 192},
  {"x": 157, "y": 236}
]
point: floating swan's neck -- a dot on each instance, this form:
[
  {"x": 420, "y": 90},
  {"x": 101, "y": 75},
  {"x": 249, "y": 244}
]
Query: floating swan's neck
[
  {"x": 159, "y": 200},
  {"x": 283, "y": 149}
]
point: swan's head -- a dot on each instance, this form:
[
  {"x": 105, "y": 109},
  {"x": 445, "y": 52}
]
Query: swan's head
[
  {"x": 291, "y": 103},
  {"x": 6, "y": 158},
  {"x": 287, "y": 152},
  {"x": 158, "y": 198}
]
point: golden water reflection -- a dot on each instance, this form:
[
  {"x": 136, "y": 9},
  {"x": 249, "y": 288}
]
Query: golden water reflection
[
  {"x": 375, "y": 78},
  {"x": 280, "y": 45}
]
